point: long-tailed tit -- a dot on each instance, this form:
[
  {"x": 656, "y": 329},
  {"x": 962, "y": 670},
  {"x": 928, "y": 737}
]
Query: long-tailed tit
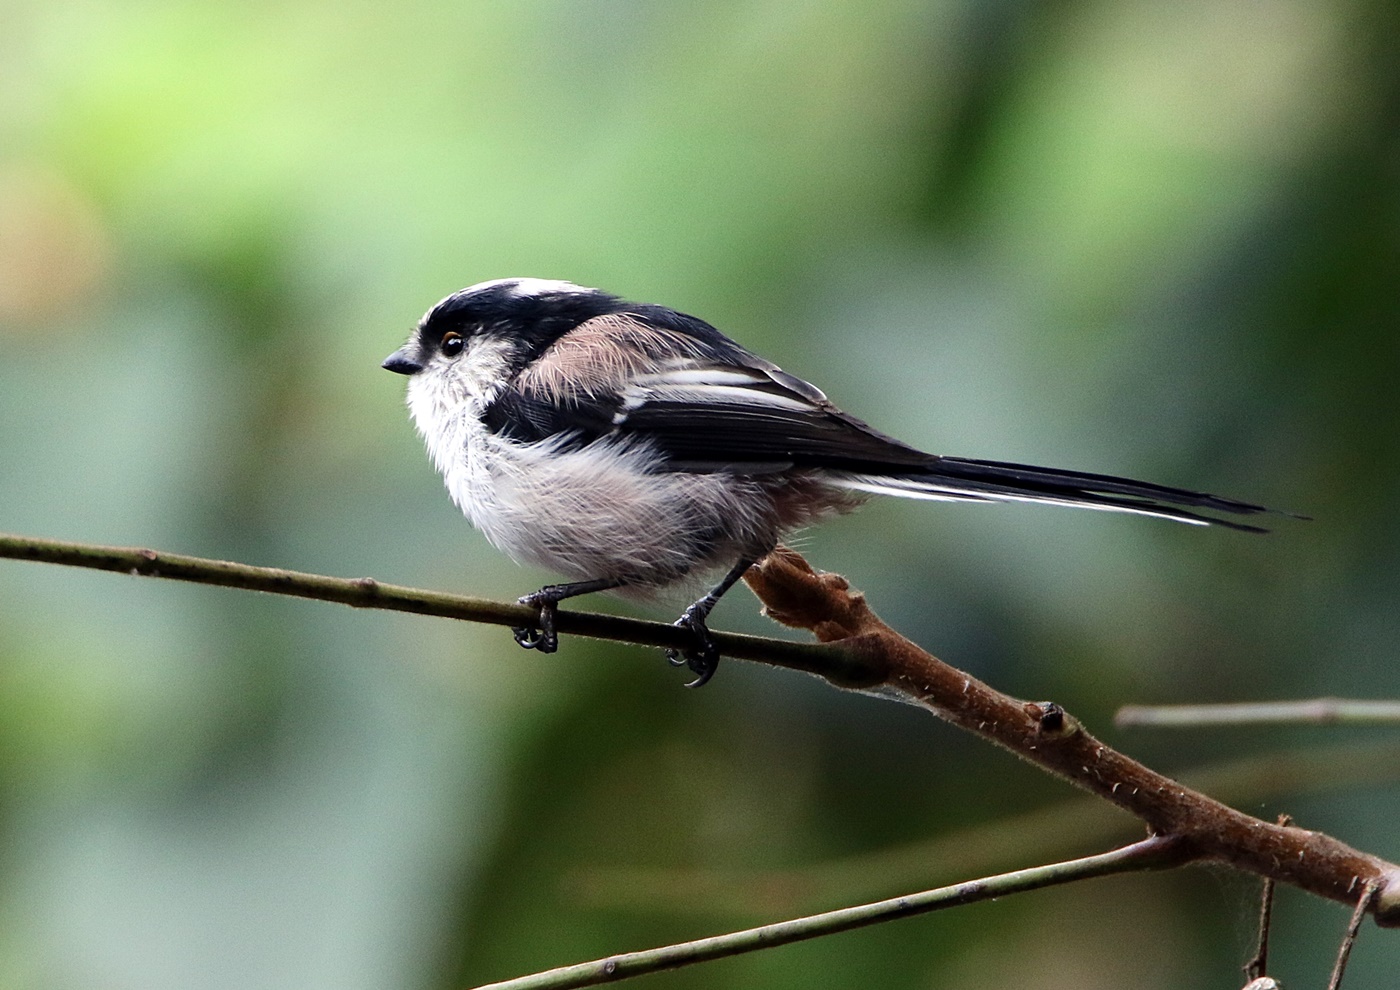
[{"x": 630, "y": 447}]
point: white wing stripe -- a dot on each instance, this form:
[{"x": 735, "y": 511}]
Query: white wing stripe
[
  {"x": 702, "y": 395},
  {"x": 909, "y": 488},
  {"x": 701, "y": 376}
]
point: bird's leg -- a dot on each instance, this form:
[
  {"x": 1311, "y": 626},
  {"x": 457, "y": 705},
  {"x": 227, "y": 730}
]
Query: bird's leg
[
  {"x": 547, "y": 599},
  {"x": 703, "y": 658}
]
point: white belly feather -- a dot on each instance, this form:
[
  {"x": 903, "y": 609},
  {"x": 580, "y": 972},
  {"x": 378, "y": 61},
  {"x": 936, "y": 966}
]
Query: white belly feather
[{"x": 600, "y": 512}]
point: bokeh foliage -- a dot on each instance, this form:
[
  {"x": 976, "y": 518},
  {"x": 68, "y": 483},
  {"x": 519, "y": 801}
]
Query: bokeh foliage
[{"x": 1160, "y": 240}]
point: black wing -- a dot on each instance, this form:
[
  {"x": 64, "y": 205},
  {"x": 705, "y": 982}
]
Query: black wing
[
  {"x": 711, "y": 418},
  {"x": 699, "y": 399}
]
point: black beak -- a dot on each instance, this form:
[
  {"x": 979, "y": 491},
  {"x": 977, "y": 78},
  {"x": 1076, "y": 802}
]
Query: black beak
[{"x": 402, "y": 362}]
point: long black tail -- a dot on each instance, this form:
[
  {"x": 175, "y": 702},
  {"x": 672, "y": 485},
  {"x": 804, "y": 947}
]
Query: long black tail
[{"x": 995, "y": 481}]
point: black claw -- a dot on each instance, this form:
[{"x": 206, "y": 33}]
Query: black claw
[
  {"x": 704, "y": 666},
  {"x": 547, "y": 599},
  {"x": 703, "y": 657},
  {"x": 545, "y": 638},
  {"x": 531, "y": 639}
]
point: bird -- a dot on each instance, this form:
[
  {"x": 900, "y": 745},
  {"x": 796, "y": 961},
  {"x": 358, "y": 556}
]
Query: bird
[{"x": 633, "y": 448}]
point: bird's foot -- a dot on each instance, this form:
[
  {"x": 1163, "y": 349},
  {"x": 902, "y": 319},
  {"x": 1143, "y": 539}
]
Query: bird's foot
[
  {"x": 543, "y": 637},
  {"x": 703, "y": 657}
]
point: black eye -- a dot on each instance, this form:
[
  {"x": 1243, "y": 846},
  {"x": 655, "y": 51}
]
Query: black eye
[{"x": 452, "y": 344}]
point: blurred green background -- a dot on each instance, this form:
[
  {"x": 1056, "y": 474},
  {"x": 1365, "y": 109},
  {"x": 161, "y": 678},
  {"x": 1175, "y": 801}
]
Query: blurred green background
[{"x": 1159, "y": 240}]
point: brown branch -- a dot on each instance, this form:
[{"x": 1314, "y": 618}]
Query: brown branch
[
  {"x": 1044, "y": 734},
  {"x": 859, "y": 652}
]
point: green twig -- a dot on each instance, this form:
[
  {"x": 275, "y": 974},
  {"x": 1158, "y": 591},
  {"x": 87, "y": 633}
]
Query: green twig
[
  {"x": 831, "y": 661},
  {"x": 1314, "y": 711},
  {"x": 1149, "y": 854}
]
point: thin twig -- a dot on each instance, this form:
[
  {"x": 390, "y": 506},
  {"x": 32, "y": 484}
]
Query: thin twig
[
  {"x": 1259, "y": 965},
  {"x": 1368, "y": 893},
  {"x": 1314, "y": 711},
  {"x": 1149, "y": 854}
]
